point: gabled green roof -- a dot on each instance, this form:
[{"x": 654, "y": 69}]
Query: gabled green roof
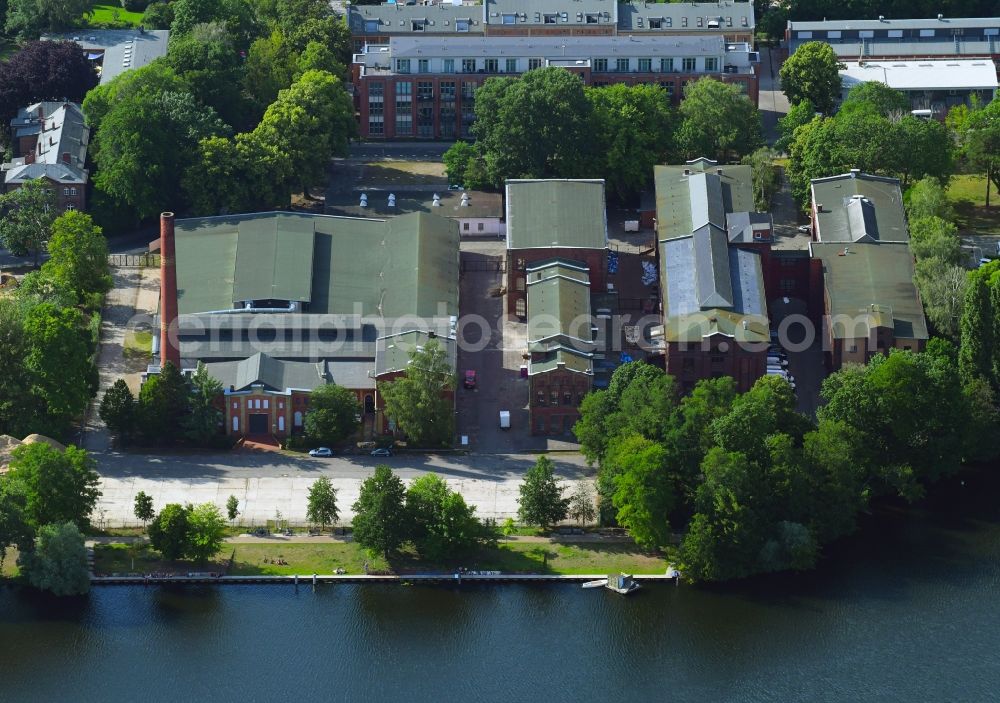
[
  {"x": 569, "y": 359},
  {"x": 383, "y": 268},
  {"x": 273, "y": 374},
  {"x": 556, "y": 213},
  {"x": 692, "y": 195},
  {"x": 558, "y": 306}
]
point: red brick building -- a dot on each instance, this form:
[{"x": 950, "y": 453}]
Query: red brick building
[
  {"x": 554, "y": 219},
  {"x": 50, "y": 141},
  {"x": 413, "y": 87}
]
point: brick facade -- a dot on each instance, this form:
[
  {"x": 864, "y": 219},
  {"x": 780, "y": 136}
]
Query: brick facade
[
  {"x": 519, "y": 259},
  {"x": 716, "y": 356},
  {"x": 554, "y": 400}
]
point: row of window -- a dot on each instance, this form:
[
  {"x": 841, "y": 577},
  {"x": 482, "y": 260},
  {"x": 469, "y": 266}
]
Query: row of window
[
  {"x": 600, "y": 65},
  {"x": 553, "y": 397},
  {"x": 463, "y": 25},
  {"x": 898, "y": 34}
]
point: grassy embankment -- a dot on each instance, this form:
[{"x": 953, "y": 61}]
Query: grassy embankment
[
  {"x": 108, "y": 12},
  {"x": 325, "y": 558},
  {"x": 967, "y": 194},
  {"x": 9, "y": 569}
]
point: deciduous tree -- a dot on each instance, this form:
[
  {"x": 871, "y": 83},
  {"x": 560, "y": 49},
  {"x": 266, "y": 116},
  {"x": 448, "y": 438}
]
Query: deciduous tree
[
  {"x": 204, "y": 422},
  {"x": 541, "y": 499},
  {"x": 168, "y": 533},
  {"x": 26, "y": 217},
  {"x": 379, "y": 513},
  {"x": 58, "y": 562},
  {"x": 58, "y": 486},
  {"x": 419, "y": 402},
  {"x": 812, "y": 73},
  {"x": 718, "y": 121},
  {"x": 581, "y": 505},
  {"x": 322, "y": 506},
  {"x": 443, "y": 525},
  {"x": 78, "y": 256},
  {"x": 334, "y": 415},
  {"x": 29, "y": 18},
  {"x": 644, "y": 493},
  {"x": 206, "y": 532},
  {"x": 232, "y": 508},
  {"x": 118, "y": 411},
  {"x": 143, "y": 508}
]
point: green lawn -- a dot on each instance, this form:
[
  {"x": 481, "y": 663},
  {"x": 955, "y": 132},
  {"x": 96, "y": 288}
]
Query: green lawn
[
  {"x": 9, "y": 569},
  {"x": 325, "y": 558},
  {"x": 968, "y": 194},
  {"x": 397, "y": 173},
  {"x": 107, "y": 12},
  {"x": 138, "y": 343}
]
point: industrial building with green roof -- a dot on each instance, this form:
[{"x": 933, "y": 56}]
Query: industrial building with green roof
[
  {"x": 871, "y": 303},
  {"x": 560, "y": 343}
]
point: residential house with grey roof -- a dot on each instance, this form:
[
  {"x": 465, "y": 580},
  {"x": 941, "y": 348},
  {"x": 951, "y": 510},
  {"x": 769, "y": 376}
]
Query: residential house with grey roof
[
  {"x": 712, "y": 285},
  {"x": 861, "y": 242},
  {"x": 50, "y": 141},
  {"x": 279, "y": 303},
  {"x": 554, "y": 219}
]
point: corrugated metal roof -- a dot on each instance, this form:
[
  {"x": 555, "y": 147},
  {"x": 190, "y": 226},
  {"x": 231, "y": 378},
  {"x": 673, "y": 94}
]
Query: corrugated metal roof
[
  {"x": 558, "y": 308},
  {"x": 941, "y": 46},
  {"x": 868, "y": 284},
  {"x": 393, "y": 352},
  {"x": 884, "y": 220},
  {"x": 556, "y": 213},
  {"x": 561, "y": 357}
]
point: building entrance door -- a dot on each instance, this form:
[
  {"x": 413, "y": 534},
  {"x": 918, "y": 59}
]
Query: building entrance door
[{"x": 258, "y": 424}]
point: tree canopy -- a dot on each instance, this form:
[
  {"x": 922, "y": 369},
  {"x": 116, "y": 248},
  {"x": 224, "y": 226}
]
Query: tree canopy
[
  {"x": 58, "y": 561},
  {"x": 322, "y": 506},
  {"x": 812, "y": 73},
  {"x": 541, "y": 500},
  {"x": 718, "y": 121},
  {"x": 78, "y": 256},
  {"x": 380, "y": 522},
  {"x": 57, "y": 486},
  {"x": 26, "y": 216},
  {"x": 333, "y": 415},
  {"x": 418, "y": 401}
]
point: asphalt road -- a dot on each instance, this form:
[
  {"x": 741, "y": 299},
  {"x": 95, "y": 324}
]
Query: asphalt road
[{"x": 260, "y": 464}]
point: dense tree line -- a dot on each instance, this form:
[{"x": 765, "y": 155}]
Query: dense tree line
[
  {"x": 753, "y": 485},
  {"x": 46, "y": 499},
  {"x": 434, "y": 519},
  {"x": 547, "y": 124},
  {"x": 49, "y": 323},
  {"x": 872, "y": 131},
  {"x": 170, "y": 409}
]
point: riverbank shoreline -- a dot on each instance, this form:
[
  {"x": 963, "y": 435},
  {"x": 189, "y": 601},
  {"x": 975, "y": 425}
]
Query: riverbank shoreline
[{"x": 313, "y": 579}]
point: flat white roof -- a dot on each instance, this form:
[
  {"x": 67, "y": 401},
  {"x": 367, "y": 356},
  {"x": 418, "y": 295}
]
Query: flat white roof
[{"x": 947, "y": 74}]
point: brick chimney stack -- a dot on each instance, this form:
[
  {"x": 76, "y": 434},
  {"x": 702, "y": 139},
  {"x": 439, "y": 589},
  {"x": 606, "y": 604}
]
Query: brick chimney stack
[{"x": 169, "y": 346}]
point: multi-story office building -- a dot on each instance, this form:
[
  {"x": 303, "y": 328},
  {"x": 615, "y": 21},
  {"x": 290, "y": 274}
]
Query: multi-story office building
[{"x": 414, "y": 88}]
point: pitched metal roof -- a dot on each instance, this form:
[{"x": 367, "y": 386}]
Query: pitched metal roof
[
  {"x": 877, "y": 214},
  {"x": 568, "y": 13},
  {"x": 581, "y": 47},
  {"x": 700, "y": 192},
  {"x": 480, "y": 204},
  {"x": 558, "y": 306},
  {"x": 393, "y": 351},
  {"x": 441, "y": 18},
  {"x": 118, "y": 49},
  {"x": 922, "y": 74},
  {"x": 870, "y": 285},
  {"x": 382, "y": 268},
  {"x": 274, "y": 375},
  {"x": 556, "y": 213},
  {"x": 711, "y": 268}
]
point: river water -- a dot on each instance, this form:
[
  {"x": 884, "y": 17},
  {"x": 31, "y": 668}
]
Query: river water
[{"x": 906, "y": 610}]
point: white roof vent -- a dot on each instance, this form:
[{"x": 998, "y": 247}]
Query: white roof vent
[
  {"x": 437, "y": 201},
  {"x": 392, "y": 200}
]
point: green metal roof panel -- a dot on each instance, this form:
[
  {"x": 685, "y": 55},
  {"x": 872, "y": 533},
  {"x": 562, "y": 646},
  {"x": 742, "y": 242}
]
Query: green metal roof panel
[
  {"x": 406, "y": 266},
  {"x": 869, "y": 284},
  {"x": 687, "y": 201},
  {"x": 556, "y": 213},
  {"x": 274, "y": 259},
  {"x": 878, "y": 217},
  {"x": 558, "y": 307},
  {"x": 205, "y": 255},
  {"x": 571, "y": 360}
]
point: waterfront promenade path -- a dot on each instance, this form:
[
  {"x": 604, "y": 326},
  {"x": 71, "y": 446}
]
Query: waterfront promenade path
[{"x": 275, "y": 485}]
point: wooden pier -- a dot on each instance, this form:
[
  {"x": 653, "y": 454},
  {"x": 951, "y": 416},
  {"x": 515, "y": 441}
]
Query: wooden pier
[{"x": 310, "y": 579}]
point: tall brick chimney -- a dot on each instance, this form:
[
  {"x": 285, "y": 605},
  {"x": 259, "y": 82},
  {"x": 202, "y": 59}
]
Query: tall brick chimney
[{"x": 169, "y": 346}]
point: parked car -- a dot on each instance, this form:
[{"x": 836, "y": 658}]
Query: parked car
[
  {"x": 455, "y": 186},
  {"x": 321, "y": 451},
  {"x": 775, "y": 360},
  {"x": 470, "y": 379},
  {"x": 804, "y": 228},
  {"x": 382, "y": 451}
]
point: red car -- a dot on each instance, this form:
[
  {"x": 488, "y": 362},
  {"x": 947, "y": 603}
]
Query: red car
[{"x": 470, "y": 379}]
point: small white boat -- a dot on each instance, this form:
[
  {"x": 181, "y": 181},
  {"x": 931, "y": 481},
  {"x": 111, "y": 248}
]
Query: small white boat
[
  {"x": 599, "y": 583},
  {"x": 623, "y": 584}
]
